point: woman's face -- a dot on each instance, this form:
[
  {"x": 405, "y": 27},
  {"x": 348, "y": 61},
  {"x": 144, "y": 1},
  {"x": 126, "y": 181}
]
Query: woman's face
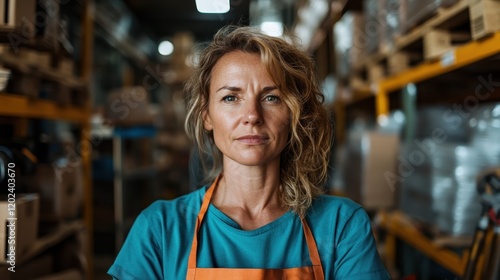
[{"x": 246, "y": 112}]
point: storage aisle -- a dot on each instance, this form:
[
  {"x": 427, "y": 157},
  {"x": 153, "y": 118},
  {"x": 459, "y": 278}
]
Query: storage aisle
[{"x": 92, "y": 123}]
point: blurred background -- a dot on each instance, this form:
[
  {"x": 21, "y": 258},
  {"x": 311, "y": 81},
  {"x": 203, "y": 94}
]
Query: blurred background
[{"x": 92, "y": 113}]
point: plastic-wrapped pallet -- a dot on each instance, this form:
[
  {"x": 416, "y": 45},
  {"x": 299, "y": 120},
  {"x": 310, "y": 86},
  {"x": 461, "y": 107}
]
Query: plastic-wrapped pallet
[
  {"x": 382, "y": 23},
  {"x": 416, "y": 184},
  {"x": 441, "y": 188},
  {"x": 415, "y": 161},
  {"x": 373, "y": 24},
  {"x": 417, "y": 11},
  {"x": 455, "y": 199},
  {"x": 485, "y": 125},
  {"x": 391, "y": 21},
  {"x": 349, "y": 42}
]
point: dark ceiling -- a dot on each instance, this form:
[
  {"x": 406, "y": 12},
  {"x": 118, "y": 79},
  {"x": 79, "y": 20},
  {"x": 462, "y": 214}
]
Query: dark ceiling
[{"x": 166, "y": 17}]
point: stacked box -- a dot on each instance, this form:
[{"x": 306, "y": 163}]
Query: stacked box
[
  {"x": 60, "y": 188},
  {"x": 20, "y": 15},
  {"x": 32, "y": 18},
  {"x": 20, "y": 222},
  {"x": 371, "y": 160},
  {"x": 485, "y": 17}
]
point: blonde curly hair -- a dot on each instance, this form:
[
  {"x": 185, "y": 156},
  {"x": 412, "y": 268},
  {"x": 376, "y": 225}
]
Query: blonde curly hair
[{"x": 304, "y": 161}]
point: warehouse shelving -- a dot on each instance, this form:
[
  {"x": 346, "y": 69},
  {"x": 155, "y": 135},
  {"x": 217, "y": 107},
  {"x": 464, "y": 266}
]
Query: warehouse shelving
[
  {"x": 456, "y": 58},
  {"x": 46, "y": 73},
  {"x": 21, "y": 107},
  {"x": 395, "y": 223},
  {"x": 453, "y": 66}
]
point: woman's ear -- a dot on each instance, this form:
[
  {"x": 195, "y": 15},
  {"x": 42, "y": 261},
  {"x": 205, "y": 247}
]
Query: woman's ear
[{"x": 207, "y": 121}]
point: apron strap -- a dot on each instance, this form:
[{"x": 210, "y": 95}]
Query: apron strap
[
  {"x": 313, "y": 251},
  {"x": 204, "y": 207}
]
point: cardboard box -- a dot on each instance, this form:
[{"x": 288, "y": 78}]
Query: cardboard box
[
  {"x": 24, "y": 220},
  {"x": 20, "y": 15},
  {"x": 381, "y": 158},
  {"x": 370, "y": 158},
  {"x": 60, "y": 188},
  {"x": 485, "y": 18}
]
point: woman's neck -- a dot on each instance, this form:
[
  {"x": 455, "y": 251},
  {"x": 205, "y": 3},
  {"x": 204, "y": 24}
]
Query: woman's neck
[{"x": 249, "y": 195}]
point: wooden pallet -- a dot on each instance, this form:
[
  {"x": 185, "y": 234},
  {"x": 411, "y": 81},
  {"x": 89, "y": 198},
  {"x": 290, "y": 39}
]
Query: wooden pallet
[
  {"x": 450, "y": 27},
  {"x": 466, "y": 21}
]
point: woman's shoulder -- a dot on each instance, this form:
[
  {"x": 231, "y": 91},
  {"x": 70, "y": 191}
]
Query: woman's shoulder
[
  {"x": 181, "y": 207},
  {"x": 328, "y": 203},
  {"x": 340, "y": 210}
]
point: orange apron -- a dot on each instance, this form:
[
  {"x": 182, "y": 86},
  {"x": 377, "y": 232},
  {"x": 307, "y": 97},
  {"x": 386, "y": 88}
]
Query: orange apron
[{"x": 303, "y": 273}]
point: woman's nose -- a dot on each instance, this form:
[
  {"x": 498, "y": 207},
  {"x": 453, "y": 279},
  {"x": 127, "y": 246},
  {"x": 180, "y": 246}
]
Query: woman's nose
[{"x": 252, "y": 113}]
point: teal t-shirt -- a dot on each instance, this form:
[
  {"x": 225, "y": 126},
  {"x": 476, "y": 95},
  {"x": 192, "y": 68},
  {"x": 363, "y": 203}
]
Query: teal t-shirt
[{"x": 159, "y": 242}]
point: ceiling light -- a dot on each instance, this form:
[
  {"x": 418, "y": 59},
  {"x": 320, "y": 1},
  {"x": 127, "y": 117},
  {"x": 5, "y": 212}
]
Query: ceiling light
[
  {"x": 165, "y": 48},
  {"x": 212, "y": 6},
  {"x": 272, "y": 28}
]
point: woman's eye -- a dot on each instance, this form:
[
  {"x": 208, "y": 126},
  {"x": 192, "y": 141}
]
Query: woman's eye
[
  {"x": 272, "y": 98},
  {"x": 229, "y": 98}
]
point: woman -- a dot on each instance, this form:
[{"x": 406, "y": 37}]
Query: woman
[{"x": 255, "y": 102}]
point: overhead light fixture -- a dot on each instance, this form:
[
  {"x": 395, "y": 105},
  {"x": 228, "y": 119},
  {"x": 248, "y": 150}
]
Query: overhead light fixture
[
  {"x": 272, "y": 28},
  {"x": 212, "y": 6},
  {"x": 165, "y": 48}
]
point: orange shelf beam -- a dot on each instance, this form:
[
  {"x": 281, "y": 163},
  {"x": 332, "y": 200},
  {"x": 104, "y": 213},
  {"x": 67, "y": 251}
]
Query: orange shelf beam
[
  {"x": 396, "y": 225},
  {"x": 13, "y": 105}
]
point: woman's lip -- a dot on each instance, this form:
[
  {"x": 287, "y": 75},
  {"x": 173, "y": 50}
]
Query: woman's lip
[{"x": 252, "y": 139}]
